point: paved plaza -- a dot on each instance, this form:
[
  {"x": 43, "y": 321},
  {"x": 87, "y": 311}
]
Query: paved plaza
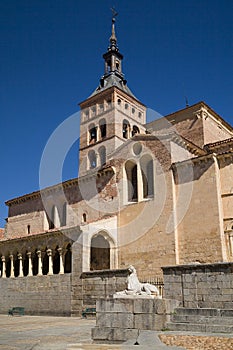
[
  {"x": 60, "y": 333},
  {"x": 73, "y": 333}
]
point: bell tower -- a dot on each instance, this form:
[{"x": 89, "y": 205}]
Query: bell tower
[{"x": 111, "y": 115}]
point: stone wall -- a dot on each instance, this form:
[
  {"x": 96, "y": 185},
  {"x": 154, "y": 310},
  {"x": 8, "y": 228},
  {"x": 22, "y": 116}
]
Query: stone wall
[
  {"x": 200, "y": 286},
  {"x": 101, "y": 284},
  {"x": 39, "y": 295}
]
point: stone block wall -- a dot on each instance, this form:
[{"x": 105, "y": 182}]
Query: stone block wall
[
  {"x": 103, "y": 283},
  {"x": 200, "y": 286},
  {"x": 122, "y": 318},
  {"x": 39, "y": 295}
]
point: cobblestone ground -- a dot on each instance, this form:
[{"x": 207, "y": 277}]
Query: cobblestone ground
[{"x": 190, "y": 342}]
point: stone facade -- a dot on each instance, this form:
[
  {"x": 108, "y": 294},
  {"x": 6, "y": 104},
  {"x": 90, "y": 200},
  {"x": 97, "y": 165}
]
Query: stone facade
[{"x": 150, "y": 195}]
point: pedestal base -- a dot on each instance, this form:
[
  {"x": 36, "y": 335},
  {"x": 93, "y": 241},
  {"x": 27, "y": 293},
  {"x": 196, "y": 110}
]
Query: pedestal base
[{"x": 120, "y": 319}]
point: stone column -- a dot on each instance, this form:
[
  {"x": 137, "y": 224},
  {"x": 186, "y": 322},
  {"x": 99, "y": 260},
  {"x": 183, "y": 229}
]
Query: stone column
[
  {"x": 40, "y": 273},
  {"x": 61, "y": 272},
  {"x": 140, "y": 183},
  {"x": 12, "y": 266},
  {"x": 50, "y": 271},
  {"x": 30, "y": 273},
  {"x": 3, "y": 267},
  {"x": 20, "y": 265}
]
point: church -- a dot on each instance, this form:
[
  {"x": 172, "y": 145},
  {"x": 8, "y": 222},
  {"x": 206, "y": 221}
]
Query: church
[{"x": 148, "y": 195}]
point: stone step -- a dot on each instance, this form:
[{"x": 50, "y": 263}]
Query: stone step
[
  {"x": 199, "y": 327},
  {"x": 204, "y": 312},
  {"x": 202, "y": 319}
]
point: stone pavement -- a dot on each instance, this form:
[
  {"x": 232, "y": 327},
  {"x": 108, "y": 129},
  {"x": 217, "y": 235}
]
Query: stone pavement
[{"x": 61, "y": 333}]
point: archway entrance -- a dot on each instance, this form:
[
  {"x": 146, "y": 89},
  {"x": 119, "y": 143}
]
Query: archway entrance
[{"x": 100, "y": 253}]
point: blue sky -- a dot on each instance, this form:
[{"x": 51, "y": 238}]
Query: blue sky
[{"x": 51, "y": 59}]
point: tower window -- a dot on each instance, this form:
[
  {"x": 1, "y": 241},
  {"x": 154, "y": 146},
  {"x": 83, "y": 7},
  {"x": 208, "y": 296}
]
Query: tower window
[
  {"x": 29, "y": 229},
  {"x": 133, "y": 110},
  {"x": 119, "y": 101},
  {"x": 92, "y": 159},
  {"x": 102, "y": 154},
  {"x": 135, "y": 130},
  {"x": 103, "y": 129},
  {"x": 125, "y": 129},
  {"x": 117, "y": 65},
  {"x": 93, "y": 111},
  {"x": 139, "y": 114},
  {"x": 126, "y": 106},
  {"x": 101, "y": 108},
  {"x": 92, "y": 134}
]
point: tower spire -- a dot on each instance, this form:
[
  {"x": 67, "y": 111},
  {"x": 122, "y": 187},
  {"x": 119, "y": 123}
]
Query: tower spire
[
  {"x": 113, "y": 75},
  {"x": 113, "y": 39}
]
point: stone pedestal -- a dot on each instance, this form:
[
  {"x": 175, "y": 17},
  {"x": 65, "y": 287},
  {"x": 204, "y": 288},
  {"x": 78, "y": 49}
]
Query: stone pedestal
[{"x": 120, "y": 319}]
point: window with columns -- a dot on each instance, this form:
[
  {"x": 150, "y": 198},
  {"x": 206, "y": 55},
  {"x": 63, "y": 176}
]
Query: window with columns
[{"x": 139, "y": 176}]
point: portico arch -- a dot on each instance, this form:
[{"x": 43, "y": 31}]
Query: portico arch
[{"x": 101, "y": 251}]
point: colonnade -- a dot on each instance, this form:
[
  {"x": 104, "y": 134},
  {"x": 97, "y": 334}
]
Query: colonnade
[{"x": 38, "y": 263}]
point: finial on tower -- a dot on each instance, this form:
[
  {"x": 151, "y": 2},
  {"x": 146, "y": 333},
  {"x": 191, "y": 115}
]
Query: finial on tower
[
  {"x": 113, "y": 38},
  {"x": 114, "y": 13}
]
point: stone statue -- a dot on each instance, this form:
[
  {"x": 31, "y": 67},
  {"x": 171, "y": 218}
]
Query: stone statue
[{"x": 134, "y": 287}]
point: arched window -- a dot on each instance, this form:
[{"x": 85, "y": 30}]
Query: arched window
[
  {"x": 16, "y": 265},
  {"x": 68, "y": 260},
  {"x": 132, "y": 181},
  {"x": 51, "y": 218},
  {"x": 84, "y": 218},
  {"x": 146, "y": 163},
  {"x": 64, "y": 214},
  {"x": 125, "y": 129},
  {"x": 102, "y": 155},
  {"x": 103, "y": 128},
  {"x": 8, "y": 266},
  {"x": 35, "y": 263},
  {"x": 56, "y": 262},
  {"x": 135, "y": 130},
  {"x": 92, "y": 159},
  {"x": 26, "y": 265},
  {"x": 100, "y": 253},
  {"x": 45, "y": 263},
  {"x": 92, "y": 134}
]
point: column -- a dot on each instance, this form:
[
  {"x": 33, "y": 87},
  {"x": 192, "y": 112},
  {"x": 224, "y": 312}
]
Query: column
[
  {"x": 61, "y": 272},
  {"x": 12, "y": 266},
  {"x": 3, "y": 267},
  {"x": 39, "y": 263},
  {"x": 50, "y": 271},
  {"x": 140, "y": 183},
  {"x": 30, "y": 273},
  {"x": 20, "y": 265}
]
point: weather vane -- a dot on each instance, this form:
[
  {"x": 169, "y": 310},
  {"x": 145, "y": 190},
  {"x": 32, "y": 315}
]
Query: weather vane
[{"x": 114, "y": 13}]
